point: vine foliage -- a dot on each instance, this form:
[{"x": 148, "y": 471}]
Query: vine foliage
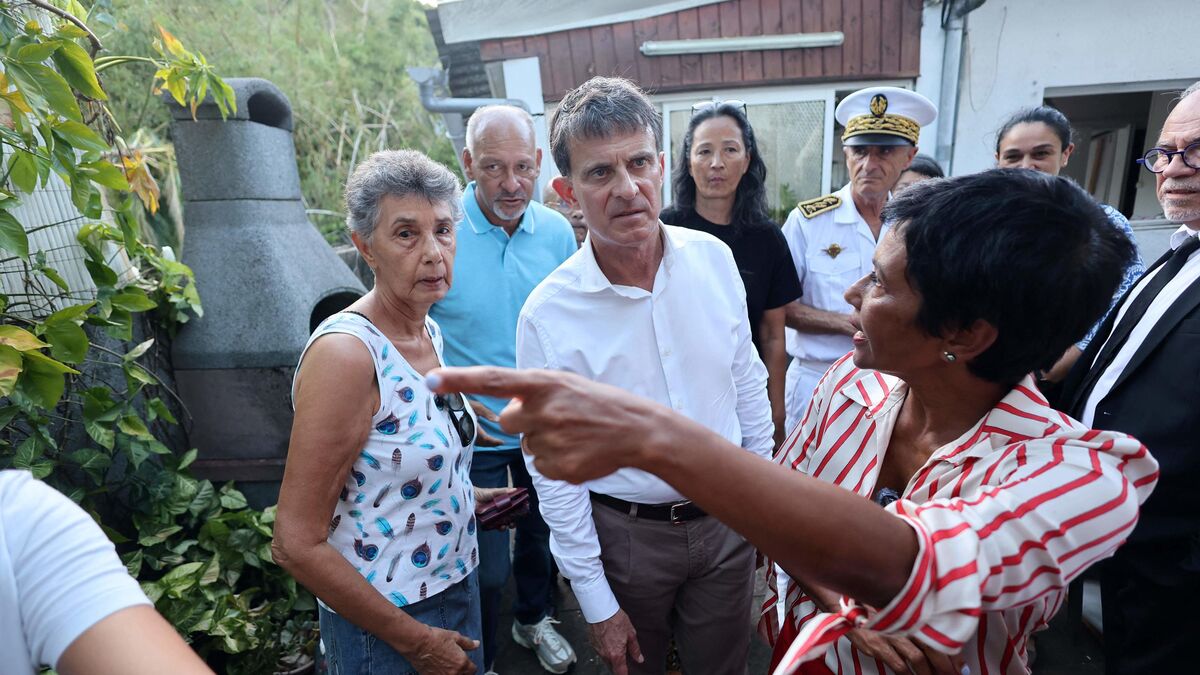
[{"x": 85, "y": 396}]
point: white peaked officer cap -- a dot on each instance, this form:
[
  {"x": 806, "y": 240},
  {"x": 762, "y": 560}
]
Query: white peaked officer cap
[{"x": 884, "y": 116}]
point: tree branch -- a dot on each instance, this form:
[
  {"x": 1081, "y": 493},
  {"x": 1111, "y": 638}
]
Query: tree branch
[{"x": 96, "y": 46}]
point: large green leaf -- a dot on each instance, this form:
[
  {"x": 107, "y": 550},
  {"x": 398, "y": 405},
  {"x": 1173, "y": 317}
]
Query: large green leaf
[
  {"x": 11, "y": 366},
  {"x": 68, "y": 342},
  {"x": 138, "y": 351},
  {"x": 43, "y": 380},
  {"x": 134, "y": 300},
  {"x": 76, "y": 66},
  {"x": 23, "y": 171},
  {"x": 20, "y": 339},
  {"x": 38, "y": 51},
  {"x": 92, "y": 461},
  {"x": 72, "y": 314},
  {"x": 105, "y": 174},
  {"x": 29, "y": 457},
  {"x": 81, "y": 190},
  {"x": 80, "y": 136},
  {"x": 48, "y": 85},
  {"x": 12, "y": 236},
  {"x": 7, "y": 413},
  {"x": 134, "y": 426},
  {"x": 157, "y": 409}
]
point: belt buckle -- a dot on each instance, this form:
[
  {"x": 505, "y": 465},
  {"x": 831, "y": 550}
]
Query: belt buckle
[{"x": 676, "y": 519}]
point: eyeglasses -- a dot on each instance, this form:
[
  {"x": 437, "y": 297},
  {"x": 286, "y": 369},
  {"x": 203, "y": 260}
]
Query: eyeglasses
[
  {"x": 1157, "y": 160},
  {"x": 705, "y": 106},
  {"x": 464, "y": 424}
]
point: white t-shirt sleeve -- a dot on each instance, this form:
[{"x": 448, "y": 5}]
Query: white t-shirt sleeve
[{"x": 59, "y": 574}]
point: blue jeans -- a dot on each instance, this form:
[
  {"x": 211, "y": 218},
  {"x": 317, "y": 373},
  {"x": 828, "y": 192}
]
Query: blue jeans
[
  {"x": 350, "y": 650},
  {"x": 530, "y": 563}
]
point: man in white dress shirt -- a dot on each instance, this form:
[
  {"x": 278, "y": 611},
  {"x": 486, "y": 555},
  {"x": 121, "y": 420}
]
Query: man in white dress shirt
[
  {"x": 832, "y": 238},
  {"x": 661, "y": 312},
  {"x": 1139, "y": 376}
]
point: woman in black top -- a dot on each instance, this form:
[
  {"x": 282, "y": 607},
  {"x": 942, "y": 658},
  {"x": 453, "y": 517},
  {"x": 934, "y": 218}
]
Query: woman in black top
[{"x": 721, "y": 189}]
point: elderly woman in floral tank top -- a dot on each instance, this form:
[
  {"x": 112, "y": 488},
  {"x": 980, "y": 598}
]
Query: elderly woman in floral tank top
[{"x": 377, "y": 511}]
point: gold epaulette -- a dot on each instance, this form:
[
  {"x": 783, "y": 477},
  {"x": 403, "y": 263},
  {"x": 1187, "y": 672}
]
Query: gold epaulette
[{"x": 815, "y": 207}]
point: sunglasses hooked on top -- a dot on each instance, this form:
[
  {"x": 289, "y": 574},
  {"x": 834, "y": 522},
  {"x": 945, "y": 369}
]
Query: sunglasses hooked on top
[
  {"x": 718, "y": 105},
  {"x": 464, "y": 424}
]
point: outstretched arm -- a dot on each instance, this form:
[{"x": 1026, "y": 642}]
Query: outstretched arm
[{"x": 578, "y": 430}]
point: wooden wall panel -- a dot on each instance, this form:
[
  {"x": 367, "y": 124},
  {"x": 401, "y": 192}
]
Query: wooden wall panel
[
  {"x": 690, "y": 66},
  {"x": 710, "y": 27},
  {"x": 910, "y": 36},
  {"x": 772, "y": 24},
  {"x": 731, "y": 26},
  {"x": 626, "y": 49},
  {"x": 882, "y": 41},
  {"x": 750, "y": 15},
  {"x": 872, "y": 34},
  {"x": 603, "y": 53},
  {"x": 668, "y": 68},
  {"x": 890, "y": 22},
  {"x": 831, "y": 19}
]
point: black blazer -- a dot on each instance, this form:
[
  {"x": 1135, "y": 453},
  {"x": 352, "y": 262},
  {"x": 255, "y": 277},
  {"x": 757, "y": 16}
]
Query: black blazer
[{"x": 1157, "y": 401}]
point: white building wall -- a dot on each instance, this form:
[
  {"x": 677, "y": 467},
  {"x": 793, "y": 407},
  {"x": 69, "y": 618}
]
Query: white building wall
[{"x": 1016, "y": 49}]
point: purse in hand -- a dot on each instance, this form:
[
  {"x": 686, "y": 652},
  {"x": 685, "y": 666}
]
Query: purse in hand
[{"x": 504, "y": 510}]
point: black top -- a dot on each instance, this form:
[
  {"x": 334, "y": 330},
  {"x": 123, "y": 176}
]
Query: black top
[{"x": 762, "y": 257}]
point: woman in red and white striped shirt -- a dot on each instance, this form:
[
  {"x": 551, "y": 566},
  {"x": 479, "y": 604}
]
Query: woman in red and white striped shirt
[
  {"x": 995, "y": 501},
  {"x": 936, "y": 412}
]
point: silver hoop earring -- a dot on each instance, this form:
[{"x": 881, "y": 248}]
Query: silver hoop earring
[{"x": 950, "y": 357}]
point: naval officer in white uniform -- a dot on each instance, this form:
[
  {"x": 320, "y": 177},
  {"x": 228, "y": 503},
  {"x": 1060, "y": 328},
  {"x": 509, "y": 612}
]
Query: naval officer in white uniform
[{"x": 832, "y": 238}]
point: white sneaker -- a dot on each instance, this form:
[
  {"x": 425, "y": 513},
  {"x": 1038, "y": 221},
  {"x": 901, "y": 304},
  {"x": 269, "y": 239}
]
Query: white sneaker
[{"x": 552, "y": 650}]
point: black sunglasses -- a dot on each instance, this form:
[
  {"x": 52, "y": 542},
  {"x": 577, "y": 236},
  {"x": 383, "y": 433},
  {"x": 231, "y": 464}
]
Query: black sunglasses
[
  {"x": 464, "y": 424},
  {"x": 706, "y": 106}
]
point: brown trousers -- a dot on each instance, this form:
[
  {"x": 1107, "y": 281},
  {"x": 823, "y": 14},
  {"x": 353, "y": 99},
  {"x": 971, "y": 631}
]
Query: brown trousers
[{"x": 694, "y": 580}]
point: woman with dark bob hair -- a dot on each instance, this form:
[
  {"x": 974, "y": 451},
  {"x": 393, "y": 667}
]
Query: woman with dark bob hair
[
  {"x": 720, "y": 188},
  {"x": 931, "y": 507}
]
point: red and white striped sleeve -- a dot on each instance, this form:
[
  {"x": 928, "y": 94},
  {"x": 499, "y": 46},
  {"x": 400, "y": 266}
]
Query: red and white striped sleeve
[{"x": 1066, "y": 502}]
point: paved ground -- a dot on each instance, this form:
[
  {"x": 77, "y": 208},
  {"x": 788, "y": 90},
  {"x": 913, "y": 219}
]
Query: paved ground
[{"x": 1061, "y": 650}]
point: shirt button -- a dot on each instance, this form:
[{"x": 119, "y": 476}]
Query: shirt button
[{"x": 666, "y": 352}]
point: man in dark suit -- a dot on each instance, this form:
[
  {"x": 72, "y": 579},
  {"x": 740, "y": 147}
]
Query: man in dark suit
[{"x": 1141, "y": 375}]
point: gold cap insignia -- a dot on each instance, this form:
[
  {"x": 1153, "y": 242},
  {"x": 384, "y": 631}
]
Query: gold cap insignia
[{"x": 879, "y": 105}]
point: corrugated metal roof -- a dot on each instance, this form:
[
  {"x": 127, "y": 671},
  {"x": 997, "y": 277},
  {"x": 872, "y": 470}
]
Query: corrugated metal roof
[{"x": 476, "y": 20}]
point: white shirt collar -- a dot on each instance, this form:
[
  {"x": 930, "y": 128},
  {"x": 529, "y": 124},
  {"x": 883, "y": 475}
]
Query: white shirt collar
[
  {"x": 592, "y": 278},
  {"x": 1178, "y": 237}
]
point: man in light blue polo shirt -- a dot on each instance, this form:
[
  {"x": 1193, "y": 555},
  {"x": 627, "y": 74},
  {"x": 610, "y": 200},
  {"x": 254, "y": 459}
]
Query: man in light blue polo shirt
[{"x": 506, "y": 246}]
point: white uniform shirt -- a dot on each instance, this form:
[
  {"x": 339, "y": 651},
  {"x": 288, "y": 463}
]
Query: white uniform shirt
[
  {"x": 59, "y": 574},
  {"x": 832, "y": 250},
  {"x": 686, "y": 344},
  {"x": 1154, "y": 313}
]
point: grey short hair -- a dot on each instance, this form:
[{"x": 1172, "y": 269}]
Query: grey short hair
[
  {"x": 480, "y": 114},
  {"x": 1190, "y": 90},
  {"x": 601, "y": 108},
  {"x": 401, "y": 173}
]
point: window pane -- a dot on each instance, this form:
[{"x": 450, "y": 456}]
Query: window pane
[{"x": 791, "y": 140}]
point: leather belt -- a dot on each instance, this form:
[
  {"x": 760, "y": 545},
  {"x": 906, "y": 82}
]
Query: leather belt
[{"x": 675, "y": 513}]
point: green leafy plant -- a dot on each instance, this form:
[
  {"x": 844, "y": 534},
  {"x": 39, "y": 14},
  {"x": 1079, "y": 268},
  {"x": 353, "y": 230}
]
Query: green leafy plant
[
  {"x": 347, "y": 101},
  {"x": 85, "y": 393}
]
